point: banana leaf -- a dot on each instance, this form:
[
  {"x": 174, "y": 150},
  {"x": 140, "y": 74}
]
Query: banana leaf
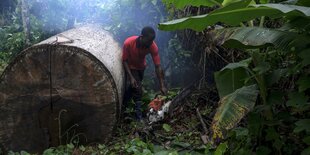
[
  {"x": 253, "y": 37},
  {"x": 303, "y": 3},
  {"x": 180, "y": 4},
  {"x": 233, "y": 108},
  {"x": 299, "y": 24},
  {"x": 234, "y": 14},
  {"x": 229, "y": 2},
  {"x": 231, "y": 77}
]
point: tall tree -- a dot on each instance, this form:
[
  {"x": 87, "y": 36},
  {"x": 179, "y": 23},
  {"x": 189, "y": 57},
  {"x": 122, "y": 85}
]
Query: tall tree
[{"x": 25, "y": 18}]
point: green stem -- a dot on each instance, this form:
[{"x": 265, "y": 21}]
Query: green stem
[
  {"x": 260, "y": 81},
  {"x": 242, "y": 25},
  {"x": 262, "y": 20},
  {"x": 250, "y": 23}
]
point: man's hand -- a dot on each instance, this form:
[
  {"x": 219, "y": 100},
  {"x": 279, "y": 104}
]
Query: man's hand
[
  {"x": 133, "y": 82},
  {"x": 160, "y": 76},
  {"x": 164, "y": 90}
]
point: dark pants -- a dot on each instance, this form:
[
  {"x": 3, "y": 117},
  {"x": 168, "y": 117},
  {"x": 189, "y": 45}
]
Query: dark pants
[{"x": 134, "y": 93}]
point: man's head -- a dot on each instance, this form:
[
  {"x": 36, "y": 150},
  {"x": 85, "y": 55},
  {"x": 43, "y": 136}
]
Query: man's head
[{"x": 147, "y": 36}]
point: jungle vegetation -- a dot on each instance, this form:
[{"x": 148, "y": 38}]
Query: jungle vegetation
[{"x": 251, "y": 58}]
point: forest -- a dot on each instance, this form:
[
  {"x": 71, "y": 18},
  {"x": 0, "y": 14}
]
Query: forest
[{"x": 237, "y": 74}]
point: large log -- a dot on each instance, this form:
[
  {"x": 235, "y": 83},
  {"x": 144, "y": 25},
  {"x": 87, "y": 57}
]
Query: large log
[{"x": 78, "y": 72}]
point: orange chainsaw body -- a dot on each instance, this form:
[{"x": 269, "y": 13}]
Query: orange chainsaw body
[{"x": 156, "y": 104}]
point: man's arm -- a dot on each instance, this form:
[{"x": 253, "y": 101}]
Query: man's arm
[
  {"x": 133, "y": 81},
  {"x": 125, "y": 56},
  {"x": 159, "y": 71},
  {"x": 160, "y": 76}
]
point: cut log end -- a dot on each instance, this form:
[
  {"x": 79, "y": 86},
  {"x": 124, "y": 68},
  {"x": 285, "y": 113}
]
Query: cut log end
[{"x": 56, "y": 94}]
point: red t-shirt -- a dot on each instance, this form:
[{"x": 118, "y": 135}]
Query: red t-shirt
[{"x": 136, "y": 56}]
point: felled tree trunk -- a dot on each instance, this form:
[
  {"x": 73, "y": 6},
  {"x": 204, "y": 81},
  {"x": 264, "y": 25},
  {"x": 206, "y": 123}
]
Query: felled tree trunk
[{"x": 67, "y": 88}]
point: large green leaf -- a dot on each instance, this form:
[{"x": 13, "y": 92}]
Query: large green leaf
[
  {"x": 305, "y": 151},
  {"x": 271, "y": 134},
  {"x": 228, "y": 81},
  {"x": 234, "y": 15},
  {"x": 230, "y": 2},
  {"x": 275, "y": 76},
  {"x": 233, "y": 108},
  {"x": 231, "y": 77},
  {"x": 262, "y": 150},
  {"x": 253, "y": 37},
  {"x": 303, "y": 124},
  {"x": 299, "y": 23},
  {"x": 306, "y": 140},
  {"x": 180, "y": 4},
  {"x": 298, "y": 100},
  {"x": 303, "y": 3},
  {"x": 305, "y": 56},
  {"x": 263, "y": 1},
  {"x": 195, "y": 22},
  {"x": 221, "y": 149},
  {"x": 303, "y": 83},
  {"x": 296, "y": 2},
  {"x": 288, "y": 10},
  {"x": 227, "y": 2},
  {"x": 243, "y": 64}
]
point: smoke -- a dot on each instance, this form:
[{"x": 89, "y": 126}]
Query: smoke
[
  {"x": 60, "y": 15},
  {"x": 123, "y": 18}
]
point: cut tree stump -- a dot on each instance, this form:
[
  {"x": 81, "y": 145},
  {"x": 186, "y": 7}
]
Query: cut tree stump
[{"x": 78, "y": 71}]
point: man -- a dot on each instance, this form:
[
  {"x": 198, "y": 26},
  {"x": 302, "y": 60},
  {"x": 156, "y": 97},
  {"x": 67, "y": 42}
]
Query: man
[{"x": 134, "y": 51}]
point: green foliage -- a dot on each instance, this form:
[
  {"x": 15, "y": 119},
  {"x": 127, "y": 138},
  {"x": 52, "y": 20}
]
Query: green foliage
[
  {"x": 180, "y": 63},
  {"x": 181, "y": 4},
  {"x": 234, "y": 14},
  {"x": 306, "y": 151},
  {"x": 221, "y": 149},
  {"x": 306, "y": 140},
  {"x": 254, "y": 37},
  {"x": 134, "y": 146},
  {"x": 4, "y": 57},
  {"x": 167, "y": 127},
  {"x": 200, "y": 22},
  {"x": 138, "y": 147},
  {"x": 12, "y": 37},
  {"x": 301, "y": 125},
  {"x": 278, "y": 64},
  {"x": 304, "y": 55},
  {"x": 297, "y": 100},
  {"x": 303, "y": 3},
  {"x": 19, "y": 153},
  {"x": 231, "y": 77},
  {"x": 63, "y": 149},
  {"x": 303, "y": 83}
]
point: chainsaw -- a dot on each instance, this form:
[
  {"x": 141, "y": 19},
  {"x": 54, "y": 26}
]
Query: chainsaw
[
  {"x": 160, "y": 106},
  {"x": 158, "y": 109}
]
